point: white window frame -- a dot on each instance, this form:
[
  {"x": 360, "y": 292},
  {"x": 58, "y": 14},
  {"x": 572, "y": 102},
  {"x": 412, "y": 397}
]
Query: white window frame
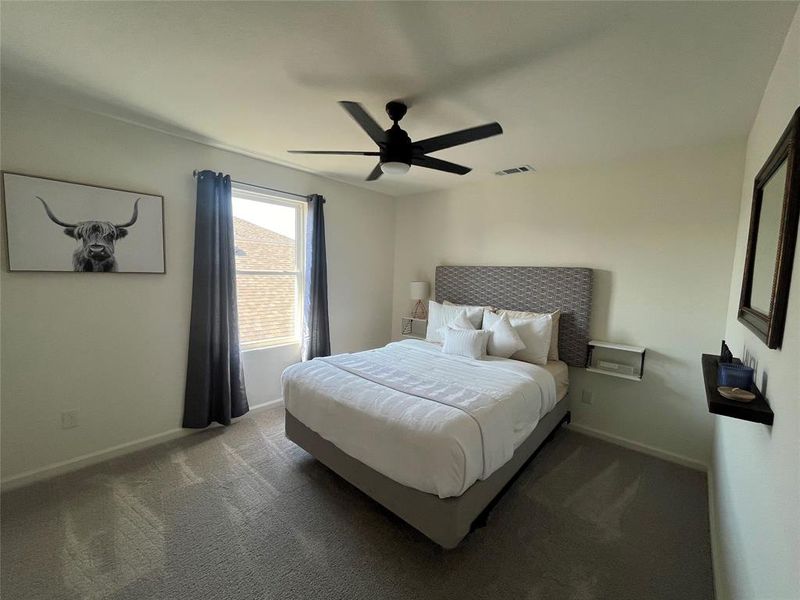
[{"x": 247, "y": 192}]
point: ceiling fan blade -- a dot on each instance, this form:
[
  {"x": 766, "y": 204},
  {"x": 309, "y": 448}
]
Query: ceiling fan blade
[
  {"x": 440, "y": 165},
  {"x": 465, "y": 136},
  {"x": 342, "y": 152},
  {"x": 367, "y": 123},
  {"x": 376, "y": 173}
]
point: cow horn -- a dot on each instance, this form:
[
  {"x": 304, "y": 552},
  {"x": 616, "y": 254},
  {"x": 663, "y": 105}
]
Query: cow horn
[
  {"x": 54, "y": 218},
  {"x": 134, "y": 217}
]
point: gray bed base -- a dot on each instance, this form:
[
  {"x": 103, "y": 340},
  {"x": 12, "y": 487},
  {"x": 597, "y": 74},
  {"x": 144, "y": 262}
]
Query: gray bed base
[{"x": 444, "y": 520}]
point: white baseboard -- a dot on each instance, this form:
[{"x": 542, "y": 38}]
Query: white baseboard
[
  {"x": 643, "y": 448},
  {"x": 92, "y": 458},
  {"x": 268, "y": 404}
]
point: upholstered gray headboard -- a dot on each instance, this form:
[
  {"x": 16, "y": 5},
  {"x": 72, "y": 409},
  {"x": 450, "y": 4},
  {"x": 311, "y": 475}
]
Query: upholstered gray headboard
[{"x": 537, "y": 289}]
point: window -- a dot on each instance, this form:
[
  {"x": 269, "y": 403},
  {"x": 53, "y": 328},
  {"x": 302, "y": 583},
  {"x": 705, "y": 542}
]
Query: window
[{"x": 268, "y": 232}]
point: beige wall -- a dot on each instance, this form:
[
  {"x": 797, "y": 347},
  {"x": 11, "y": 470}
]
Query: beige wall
[
  {"x": 659, "y": 232},
  {"x": 663, "y": 232},
  {"x": 756, "y": 469},
  {"x": 115, "y": 347}
]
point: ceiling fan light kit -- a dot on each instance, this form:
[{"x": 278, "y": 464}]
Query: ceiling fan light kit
[
  {"x": 396, "y": 150},
  {"x": 395, "y": 168}
]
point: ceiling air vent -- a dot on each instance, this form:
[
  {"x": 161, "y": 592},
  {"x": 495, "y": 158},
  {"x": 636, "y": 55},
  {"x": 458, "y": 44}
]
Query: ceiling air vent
[{"x": 515, "y": 170}]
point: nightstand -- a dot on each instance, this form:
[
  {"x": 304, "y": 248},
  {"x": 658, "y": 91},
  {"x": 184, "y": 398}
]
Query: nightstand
[{"x": 414, "y": 328}]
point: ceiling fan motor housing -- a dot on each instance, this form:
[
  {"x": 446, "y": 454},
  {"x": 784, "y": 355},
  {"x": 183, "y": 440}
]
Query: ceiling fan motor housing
[{"x": 397, "y": 147}]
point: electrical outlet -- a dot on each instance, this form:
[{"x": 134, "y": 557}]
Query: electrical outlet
[
  {"x": 586, "y": 397},
  {"x": 69, "y": 419}
]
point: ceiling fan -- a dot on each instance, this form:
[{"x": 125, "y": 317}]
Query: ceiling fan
[{"x": 396, "y": 150}]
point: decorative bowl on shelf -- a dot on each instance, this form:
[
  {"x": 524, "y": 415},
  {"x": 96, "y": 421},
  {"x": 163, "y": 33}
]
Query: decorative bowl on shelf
[{"x": 735, "y": 393}]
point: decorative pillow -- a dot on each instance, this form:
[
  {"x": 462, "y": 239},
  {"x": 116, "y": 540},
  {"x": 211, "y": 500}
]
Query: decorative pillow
[
  {"x": 535, "y": 333},
  {"x": 555, "y": 315},
  {"x": 440, "y": 315},
  {"x": 465, "y": 342},
  {"x": 504, "y": 340},
  {"x": 475, "y": 313}
]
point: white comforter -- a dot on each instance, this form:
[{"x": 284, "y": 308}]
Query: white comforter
[{"x": 428, "y": 420}]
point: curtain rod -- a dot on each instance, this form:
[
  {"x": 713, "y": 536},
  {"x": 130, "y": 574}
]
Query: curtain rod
[{"x": 195, "y": 173}]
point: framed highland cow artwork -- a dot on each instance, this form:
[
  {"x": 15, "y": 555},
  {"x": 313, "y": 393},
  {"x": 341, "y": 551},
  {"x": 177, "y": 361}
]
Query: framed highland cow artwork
[{"x": 54, "y": 225}]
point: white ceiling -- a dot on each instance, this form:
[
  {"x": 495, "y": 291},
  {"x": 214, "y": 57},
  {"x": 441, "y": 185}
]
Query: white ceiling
[{"x": 570, "y": 83}]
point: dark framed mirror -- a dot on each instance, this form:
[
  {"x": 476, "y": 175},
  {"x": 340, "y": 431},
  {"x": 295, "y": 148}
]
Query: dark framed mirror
[{"x": 772, "y": 239}]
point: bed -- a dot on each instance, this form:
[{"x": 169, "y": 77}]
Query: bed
[{"x": 436, "y": 438}]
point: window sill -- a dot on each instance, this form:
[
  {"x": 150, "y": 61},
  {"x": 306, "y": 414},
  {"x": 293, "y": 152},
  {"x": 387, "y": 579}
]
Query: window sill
[{"x": 274, "y": 346}]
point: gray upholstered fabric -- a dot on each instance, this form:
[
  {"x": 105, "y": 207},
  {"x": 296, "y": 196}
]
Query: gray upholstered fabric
[{"x": 539, "y": 289}]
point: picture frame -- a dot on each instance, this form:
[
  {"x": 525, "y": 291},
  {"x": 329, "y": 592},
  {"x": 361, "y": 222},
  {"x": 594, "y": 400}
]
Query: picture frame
[
  {"x": 56, "y": 225},
  {"x": 772, "y": 238}
]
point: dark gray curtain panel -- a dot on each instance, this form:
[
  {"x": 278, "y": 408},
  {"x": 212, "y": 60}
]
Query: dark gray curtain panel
[
  {"x": 316, "y": 330},
  {"x": 214, "y": 379}
]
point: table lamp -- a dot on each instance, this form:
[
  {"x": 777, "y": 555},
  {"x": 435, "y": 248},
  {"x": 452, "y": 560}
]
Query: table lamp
[{"x": 420, "y": 290}]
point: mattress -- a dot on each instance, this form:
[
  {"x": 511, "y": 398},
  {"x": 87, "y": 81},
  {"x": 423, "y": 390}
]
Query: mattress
[
  {"x": 434, "y": 422},
  {"x": 560, "y": 372}
]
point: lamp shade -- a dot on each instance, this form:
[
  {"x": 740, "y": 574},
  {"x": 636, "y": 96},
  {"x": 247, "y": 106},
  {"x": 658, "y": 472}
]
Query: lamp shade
[{"x": 420, "y": 290}]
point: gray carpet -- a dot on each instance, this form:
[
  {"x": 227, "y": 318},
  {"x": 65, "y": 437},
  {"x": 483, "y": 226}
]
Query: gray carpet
[{"x": 244, "y": 513}]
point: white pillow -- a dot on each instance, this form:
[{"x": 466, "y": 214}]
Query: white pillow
[
  {"x": 465, "y": 342},
  {"x": 460, "y": 322},
  {"x": 535, "y": 333},
  {"x": 504, "y": 340},
  {"x": 440, "y": 316},
  {"x": 475, "y": 313},
  {"x": 555, "y": 315}
]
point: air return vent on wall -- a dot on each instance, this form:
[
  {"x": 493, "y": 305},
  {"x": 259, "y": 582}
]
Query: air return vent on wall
[{"x": 515, "y": 170}]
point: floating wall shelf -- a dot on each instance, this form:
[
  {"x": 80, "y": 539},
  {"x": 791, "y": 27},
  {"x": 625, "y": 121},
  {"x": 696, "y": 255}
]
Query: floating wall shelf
[
  {"x": 616, "y": 360},
  {"x": 757, "y": 411},
  {"x": 413, "y": 327}
]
